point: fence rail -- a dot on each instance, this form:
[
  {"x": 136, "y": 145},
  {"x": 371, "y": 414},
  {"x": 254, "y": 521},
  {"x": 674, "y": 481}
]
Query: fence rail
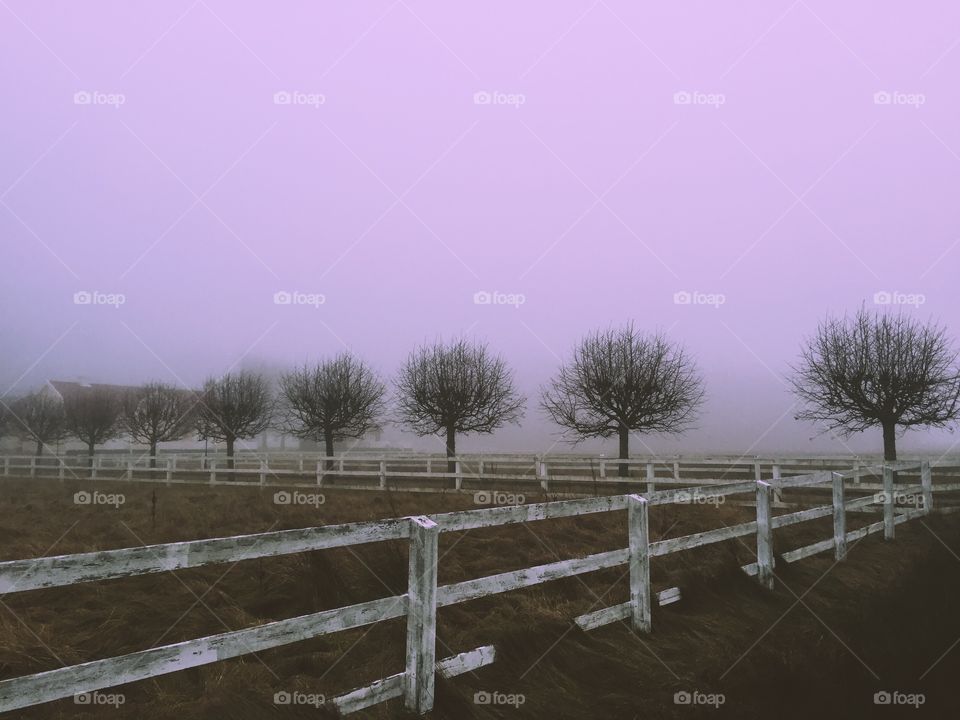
[
  {"x": 426, "y": 473},
  {"x": 423, "y": 597}
]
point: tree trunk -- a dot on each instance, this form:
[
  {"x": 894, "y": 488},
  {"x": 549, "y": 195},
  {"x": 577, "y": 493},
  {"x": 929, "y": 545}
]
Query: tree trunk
[
  {"x": 230, "y": 442},
  {"x": 451, "y": 449},
  {"x": 153, "y": 455},
  {"x": 39, "y": 448},
  {"x": 889, "y": 440},
  {"x": 328, "y": 446},
  {"x": 624, "y": 470}
]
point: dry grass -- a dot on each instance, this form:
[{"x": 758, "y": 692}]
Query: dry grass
[{"x": 561, "y": 671}]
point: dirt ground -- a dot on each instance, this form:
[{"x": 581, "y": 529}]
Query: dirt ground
[{"x": 825, "y": 641}]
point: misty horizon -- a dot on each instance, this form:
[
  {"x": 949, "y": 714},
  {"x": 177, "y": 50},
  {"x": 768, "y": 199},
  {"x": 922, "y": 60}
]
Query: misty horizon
[{"x": 194, "y": 187}]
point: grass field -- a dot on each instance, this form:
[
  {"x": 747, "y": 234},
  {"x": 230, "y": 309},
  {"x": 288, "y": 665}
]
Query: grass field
[{"x": 888, "y": 611}]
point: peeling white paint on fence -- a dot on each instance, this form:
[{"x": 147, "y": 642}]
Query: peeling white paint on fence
[{"x": 419, "y": 605}]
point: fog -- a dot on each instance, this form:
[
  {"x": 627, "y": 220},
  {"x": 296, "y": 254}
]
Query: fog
[{"x": 727, "y": 177}]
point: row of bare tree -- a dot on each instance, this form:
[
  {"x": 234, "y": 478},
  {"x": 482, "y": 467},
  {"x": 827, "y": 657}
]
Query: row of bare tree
[{"x": 872, "y": 369}]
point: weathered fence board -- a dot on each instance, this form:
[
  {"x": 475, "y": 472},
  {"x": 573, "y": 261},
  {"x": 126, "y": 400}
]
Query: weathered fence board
[
  {"x": 45, "y": 572},
  {"x": 66, "y": 682}
]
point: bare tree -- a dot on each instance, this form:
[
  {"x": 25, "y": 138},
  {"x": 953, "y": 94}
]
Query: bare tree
[
  {"x": 157, "y": 413},
  {"x": 39, "y": 418},
  {"x": 237, "y": 406},
  {"x": 460, "y": 387},
  {"x": 333, "y": 400},
  {"x": 876, "y": 369},
  {"x": 92, "y": 416},
  {"x": 621, "y": 381}
]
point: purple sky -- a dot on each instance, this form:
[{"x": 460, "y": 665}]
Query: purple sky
[{"x": 586, "y": 185}]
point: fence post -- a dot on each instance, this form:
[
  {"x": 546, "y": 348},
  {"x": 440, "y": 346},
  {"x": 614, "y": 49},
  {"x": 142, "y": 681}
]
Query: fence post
[
  {"x": 839, "y": 519},
  {"x": 458, "y": 481},
  {"x": 926, "y": 481},
  {"x": 341, "y": 463},
  {"x": 263, "y": 472},
  {"x": 777, "y": 489},
  {"x": 171, "y": 466},
  {"x": 480, "y": 469},
  {"x": 429, "y": 466},
  {"x": 764, "y": 536},
  {"x": 888, "y": 499},
  {"x": 544, "y": 476},
  {"x": 639, "y": 534},
  {"x": 129, "y": 469},
  {"x": 421, "y": 615},
  {"x": 33, "y": 466},
  {"x": 383, "y": 474},
  {"x": 321, "y": 471},
  {"x": 651, "y": 487},
  {"x": 603, "y": 468},
  {"x": 61, "y": 471},
  {"x": 213, "y": 472},
  {"x": 6, "y": 467},
  {"x": 94, "y": 466},
  {"x": 856, "y": 473},
  {"x": 676, "y": 471},
  {"x": 757, "y": 475}
]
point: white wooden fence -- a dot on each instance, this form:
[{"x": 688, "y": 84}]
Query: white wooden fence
[
  {"x": 428, "y": 473},
  {"x": 415, "y": 684}
]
